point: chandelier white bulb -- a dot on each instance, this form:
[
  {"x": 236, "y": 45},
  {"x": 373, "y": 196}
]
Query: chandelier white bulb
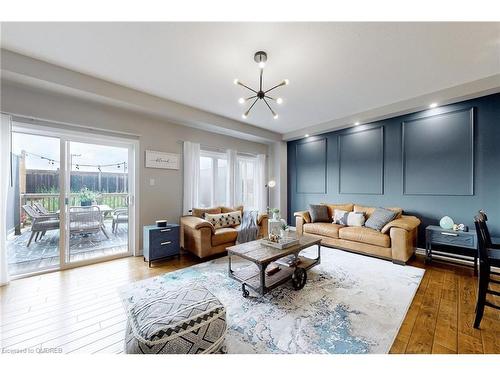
[{"x": 260, "y": 58}]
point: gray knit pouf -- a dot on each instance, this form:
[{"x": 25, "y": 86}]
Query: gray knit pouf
[{"x": 190, "y": 320}]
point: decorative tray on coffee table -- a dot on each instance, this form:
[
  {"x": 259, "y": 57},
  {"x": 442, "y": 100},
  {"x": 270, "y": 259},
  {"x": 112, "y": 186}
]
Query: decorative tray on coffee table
[{"x": 282, "y": 244}]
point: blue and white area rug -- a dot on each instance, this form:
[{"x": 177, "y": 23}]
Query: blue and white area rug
[{"x": 350, "y": 304}]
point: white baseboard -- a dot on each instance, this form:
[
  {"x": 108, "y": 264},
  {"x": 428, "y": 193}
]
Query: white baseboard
[{"x": 466, "y": 261}]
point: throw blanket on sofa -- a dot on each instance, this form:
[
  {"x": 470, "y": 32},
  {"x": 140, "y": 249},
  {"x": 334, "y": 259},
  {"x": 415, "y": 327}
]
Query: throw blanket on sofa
[{"x": 249, "y": 230}]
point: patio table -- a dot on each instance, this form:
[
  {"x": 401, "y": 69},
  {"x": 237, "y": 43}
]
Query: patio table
[{"x": 103, "y": 208}]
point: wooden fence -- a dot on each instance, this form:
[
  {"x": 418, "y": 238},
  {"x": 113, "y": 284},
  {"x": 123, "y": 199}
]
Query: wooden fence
[{"x": 47, "y": 181}]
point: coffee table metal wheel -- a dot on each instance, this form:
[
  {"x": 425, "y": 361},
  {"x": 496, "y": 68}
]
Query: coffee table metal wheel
[
  {"x": 244, "y": 290},
  {"x": 299, "y": 278}
]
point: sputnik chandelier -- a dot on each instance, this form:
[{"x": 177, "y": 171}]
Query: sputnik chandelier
[{"x": 260, "y": 58}]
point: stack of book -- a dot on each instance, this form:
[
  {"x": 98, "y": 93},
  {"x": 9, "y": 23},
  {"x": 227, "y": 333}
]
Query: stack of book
[{"x": 289, "y": 261}]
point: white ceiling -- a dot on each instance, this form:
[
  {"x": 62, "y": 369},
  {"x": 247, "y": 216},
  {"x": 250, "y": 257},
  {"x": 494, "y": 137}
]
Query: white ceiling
[{"x": 335, "y": 69}]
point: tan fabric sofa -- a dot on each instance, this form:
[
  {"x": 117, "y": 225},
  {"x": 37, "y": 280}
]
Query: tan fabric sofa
[
  {"x": 396, "y": 241},
  {"x": 199, "y": 237}
]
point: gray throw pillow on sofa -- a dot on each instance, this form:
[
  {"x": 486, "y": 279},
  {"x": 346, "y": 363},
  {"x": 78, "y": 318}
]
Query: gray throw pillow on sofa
[
  {"x": 319, "y": 213},
  {"x": 379, "y": 218}
]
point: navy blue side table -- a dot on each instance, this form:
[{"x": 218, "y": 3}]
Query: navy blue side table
[
  {"x": 160, "y": 242},
  {"x": 456, "y": 242}
]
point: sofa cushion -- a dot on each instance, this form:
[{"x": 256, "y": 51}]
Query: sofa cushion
[
  {"x": 224, "y": 235},
  {"x": 369, "y": 210},
  {"x": 319, "y": 213},
  {"x": 379, "y": 218},
  {"x": 365, "y": 235},
  {"x": 227, "y": 220},
  {"x": 323, "y": 229},
  {"x": 340, "y": 206},
  {"x": 200, "y": 212},
  {"x": 225, "y": 209}
]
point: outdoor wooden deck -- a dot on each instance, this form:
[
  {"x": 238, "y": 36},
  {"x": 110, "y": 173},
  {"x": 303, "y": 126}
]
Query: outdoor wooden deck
[{"x": 45, "y": 252}]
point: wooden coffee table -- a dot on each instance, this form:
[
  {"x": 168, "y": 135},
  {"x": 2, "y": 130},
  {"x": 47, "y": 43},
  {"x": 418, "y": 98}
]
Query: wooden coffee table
[{"x": 262, "y": 256}]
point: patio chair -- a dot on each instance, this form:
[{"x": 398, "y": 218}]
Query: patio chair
[
  {"x": 86, "y": 220},
  {"x": 119, "y": 215},
  {"x": 40, "y": 224},
  {"x": 42, "y": 210}
]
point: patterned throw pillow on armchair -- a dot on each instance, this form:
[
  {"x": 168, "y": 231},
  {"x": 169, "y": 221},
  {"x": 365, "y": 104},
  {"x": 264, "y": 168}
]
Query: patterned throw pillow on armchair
[{"x": 226, "y": 220}]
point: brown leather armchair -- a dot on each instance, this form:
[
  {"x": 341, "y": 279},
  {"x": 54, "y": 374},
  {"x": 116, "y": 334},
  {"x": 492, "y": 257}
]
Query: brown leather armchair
[{"x": 200, "y": 237}]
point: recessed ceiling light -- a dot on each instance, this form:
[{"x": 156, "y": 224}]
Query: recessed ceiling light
[
  {"x": 433, "y": 105},
  {"x": 307, "y": 135},
  {"x": 356, "y": 123},
  {"x": 279, "y": 101},
  {"x": 241, "y": 100}
]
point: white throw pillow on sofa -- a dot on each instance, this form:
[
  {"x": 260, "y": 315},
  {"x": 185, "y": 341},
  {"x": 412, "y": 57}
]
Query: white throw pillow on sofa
[
  {"x": 351, "y": 219},
  {"x": 338, "y": 216}
]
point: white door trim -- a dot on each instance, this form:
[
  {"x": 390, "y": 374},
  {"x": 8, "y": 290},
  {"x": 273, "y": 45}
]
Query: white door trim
[{"x": 65, "y": 136}]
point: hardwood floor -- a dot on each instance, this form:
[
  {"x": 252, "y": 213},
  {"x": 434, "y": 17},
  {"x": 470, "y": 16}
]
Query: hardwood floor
[
  {"x": 440, "y": 318},
  {"x": 79, "y": 310}
]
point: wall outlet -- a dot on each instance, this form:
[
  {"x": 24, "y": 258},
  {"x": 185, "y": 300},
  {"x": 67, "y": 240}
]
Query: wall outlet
[{"x": 151, "y": 182}]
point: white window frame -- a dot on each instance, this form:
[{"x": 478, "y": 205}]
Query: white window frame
[
  {"x": 239, "y": 193},
  {"x": 215, "y": 156}
]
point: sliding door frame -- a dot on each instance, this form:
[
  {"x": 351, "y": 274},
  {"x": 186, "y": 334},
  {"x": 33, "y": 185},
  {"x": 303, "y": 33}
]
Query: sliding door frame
[{"x": 66, "y": 136}]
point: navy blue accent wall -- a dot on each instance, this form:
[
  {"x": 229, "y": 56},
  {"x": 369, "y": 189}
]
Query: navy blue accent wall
[{"x": 473, "y": 176}]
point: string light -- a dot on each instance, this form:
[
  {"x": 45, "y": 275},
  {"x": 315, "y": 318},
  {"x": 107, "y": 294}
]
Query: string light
[{"x": 77, "y": 166}]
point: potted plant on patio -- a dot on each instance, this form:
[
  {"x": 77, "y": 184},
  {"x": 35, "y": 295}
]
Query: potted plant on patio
[{"x": 87, "y": 197}]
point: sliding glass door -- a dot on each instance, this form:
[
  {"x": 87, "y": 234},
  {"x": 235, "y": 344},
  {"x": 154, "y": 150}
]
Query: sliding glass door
[
  {"x": 34, "y": 198},
  {"x": 71, "y": 199},
  {"x": 98, "y": 201}
]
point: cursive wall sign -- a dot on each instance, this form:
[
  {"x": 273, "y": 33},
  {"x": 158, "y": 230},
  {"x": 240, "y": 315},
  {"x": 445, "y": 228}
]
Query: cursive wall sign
[{"x": 163, "y": 160}]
